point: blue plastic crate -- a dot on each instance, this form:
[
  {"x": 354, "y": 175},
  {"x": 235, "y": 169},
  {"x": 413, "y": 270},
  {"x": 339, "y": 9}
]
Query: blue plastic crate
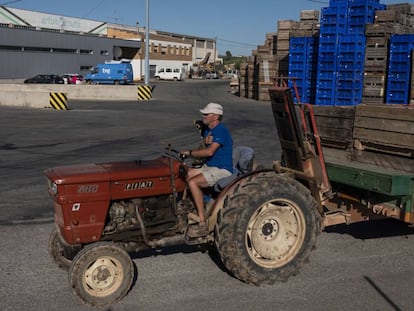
[
  {"x": 324, "y": 101},
  {"x": 400, "y": 75},
  {"x": 326, "y": 86},
  {"x": 326, "y": 76},
  {"x": 349, "y": 64},
  {"x": 358, "y": 29},
  {"x": 352, "y": 42},
  {"x": 400, "y": 57},
  {"x": 355, "y": 85},
  {"x": 333, "y": 15},
  {"x": 375, "y": 3},
  {"x": 327, "y": 58},
  {"x": 381, "y": 7},
  {"x": 332, "y": 31},
  {"x": 397, "y": 83},
  {"x": 327, "y": 48},
  {"x": 397, "y": 97},
  {"x": 327, "y": 66},
  {"x": 397, "y": 93},
  {"x": 399, "y": 69},
  {"x": 351, "y": 75},
  {"x": 338, "y": 3},
  {"x": 361, "y": 14},
  {"x": 401, "y": 43},
  {"x": 295, "y": 58},
  {"x": 356, "y": 57}
]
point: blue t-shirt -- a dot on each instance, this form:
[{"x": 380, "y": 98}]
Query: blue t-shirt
[{"x": 223, "y": 157}]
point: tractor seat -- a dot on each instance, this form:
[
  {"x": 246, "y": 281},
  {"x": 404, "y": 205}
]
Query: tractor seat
[{"x": 243, "y": 158}]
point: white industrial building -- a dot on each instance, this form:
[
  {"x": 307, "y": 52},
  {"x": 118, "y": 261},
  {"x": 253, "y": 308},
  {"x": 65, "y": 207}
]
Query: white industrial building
[{"x": 34, "y": 42}]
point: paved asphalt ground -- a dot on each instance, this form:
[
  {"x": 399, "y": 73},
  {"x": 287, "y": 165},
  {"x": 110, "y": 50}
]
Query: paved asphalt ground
[{"x": 367, "y": 266}]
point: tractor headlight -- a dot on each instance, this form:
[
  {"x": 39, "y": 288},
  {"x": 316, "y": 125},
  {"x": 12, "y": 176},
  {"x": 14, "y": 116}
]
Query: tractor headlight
[{"x": 52, "y": 187}]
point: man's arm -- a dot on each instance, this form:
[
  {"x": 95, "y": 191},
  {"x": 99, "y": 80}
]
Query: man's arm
[{"x": 203, "y": 153}]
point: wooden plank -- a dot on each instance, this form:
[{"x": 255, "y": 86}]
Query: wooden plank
[
  {"x": 378, "y": 137},
  {"x": 380, "y": 160},
  {"x": 387, "y": 112},
  {"x": 384, "y": 125},
  {"x": 335, "y": 125},
  {"x": 335, "y": 111}
]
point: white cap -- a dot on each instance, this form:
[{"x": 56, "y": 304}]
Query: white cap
[{"x": 212, "y": 108}]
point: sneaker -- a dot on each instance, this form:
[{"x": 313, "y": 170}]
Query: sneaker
[{"x": 197, "y": 230}]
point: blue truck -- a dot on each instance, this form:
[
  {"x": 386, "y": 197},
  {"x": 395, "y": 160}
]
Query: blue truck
[{"x": 114, "y": 72}]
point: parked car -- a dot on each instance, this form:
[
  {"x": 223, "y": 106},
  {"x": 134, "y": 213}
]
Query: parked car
[
  {"x": 231, "y": 74},
  {"x": 73, "y": 78},
  {"x": 170, "y": 73},
  {"x": 41, "y": 78},
  {"x": 211, "y": 75}
]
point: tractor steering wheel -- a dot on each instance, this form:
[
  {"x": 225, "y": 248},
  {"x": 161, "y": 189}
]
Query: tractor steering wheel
[{"x": 175, "y": 154}]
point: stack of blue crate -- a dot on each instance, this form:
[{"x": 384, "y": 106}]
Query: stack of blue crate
[
  {"x": 342, "y": 51},
  {"x": 350, "y": 70},
  {"x": 333, "y": 26},
  {"x": 303, "y": 53},
  {"x": 399, "y": 69}
]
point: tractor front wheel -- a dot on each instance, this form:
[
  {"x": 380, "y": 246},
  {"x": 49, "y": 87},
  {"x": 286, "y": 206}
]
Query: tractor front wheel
[
  {"x": 101, "y": 274},
  {"x": 267, "y": 229},
  {"x": 56, "y": 250}
]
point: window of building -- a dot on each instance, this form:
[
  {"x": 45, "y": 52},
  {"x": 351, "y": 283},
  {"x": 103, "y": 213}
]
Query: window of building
[
  {"x": 104, "y": 52},
  {"x": 200, "y": 44},
  {"x": 58, "y": 50},
  {"x": 83, "y": 51},
  {"x": 163, "y": 50},
  {"x": 11, "y": 48},
  {"x": 86, "y": 67},
  {"x": 37, "y": 49}
]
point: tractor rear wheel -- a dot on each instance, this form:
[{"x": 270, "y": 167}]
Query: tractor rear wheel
[
  {"x": 101, "y": 274},
  {"x": 267, "y": 228}
]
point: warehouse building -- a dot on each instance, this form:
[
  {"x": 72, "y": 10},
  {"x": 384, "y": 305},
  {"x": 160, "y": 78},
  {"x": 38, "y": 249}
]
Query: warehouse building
[{"x": 34, "y": 42}]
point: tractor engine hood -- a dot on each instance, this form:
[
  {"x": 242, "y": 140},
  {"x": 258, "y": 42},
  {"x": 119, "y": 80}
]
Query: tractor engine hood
[
  {"x": 112, "y": 171},
  {"x": 78, "y": 174}
]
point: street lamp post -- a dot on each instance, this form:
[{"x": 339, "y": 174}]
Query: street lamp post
[{"x": 147, "y": 43}]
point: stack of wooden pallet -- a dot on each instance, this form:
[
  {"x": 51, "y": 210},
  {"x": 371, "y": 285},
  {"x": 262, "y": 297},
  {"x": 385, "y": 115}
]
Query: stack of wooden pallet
[
  {"x": 396, "y": 19},
  {"x": 271, "y": 60}
]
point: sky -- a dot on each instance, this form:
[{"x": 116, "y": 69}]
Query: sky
[{"x": 239, "y": 26}]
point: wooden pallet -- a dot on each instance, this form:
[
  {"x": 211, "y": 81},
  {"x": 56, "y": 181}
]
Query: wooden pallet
[{"x": 380, "y": 135}]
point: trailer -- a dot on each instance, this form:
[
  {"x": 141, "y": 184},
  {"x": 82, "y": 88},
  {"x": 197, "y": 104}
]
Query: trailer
[{"x": 358, "y": 161}]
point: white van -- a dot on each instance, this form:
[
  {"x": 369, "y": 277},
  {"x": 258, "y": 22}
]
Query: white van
[{"x": 170, "y": 73}]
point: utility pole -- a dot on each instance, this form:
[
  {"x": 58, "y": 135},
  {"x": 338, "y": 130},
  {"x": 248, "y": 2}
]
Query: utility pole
[{"x": 147, "y": 71}]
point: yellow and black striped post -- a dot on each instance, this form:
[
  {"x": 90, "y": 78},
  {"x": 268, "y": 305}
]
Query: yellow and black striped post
[
  {"x": 144, "y": 92},
  {"x": 58, "y": 100}
]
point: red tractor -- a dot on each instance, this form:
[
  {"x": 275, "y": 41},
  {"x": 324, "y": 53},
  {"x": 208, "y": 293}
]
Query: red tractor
[{"x": 103, "y": 211}]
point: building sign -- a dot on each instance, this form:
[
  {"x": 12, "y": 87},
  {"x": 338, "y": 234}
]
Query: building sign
[{"x": 20, "y": 17}]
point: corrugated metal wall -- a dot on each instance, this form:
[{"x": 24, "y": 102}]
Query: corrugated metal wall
[{"x": 25, "y": 52}]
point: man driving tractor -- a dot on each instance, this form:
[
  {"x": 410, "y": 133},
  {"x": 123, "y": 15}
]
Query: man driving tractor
[{"x": 218, "y": 156}]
